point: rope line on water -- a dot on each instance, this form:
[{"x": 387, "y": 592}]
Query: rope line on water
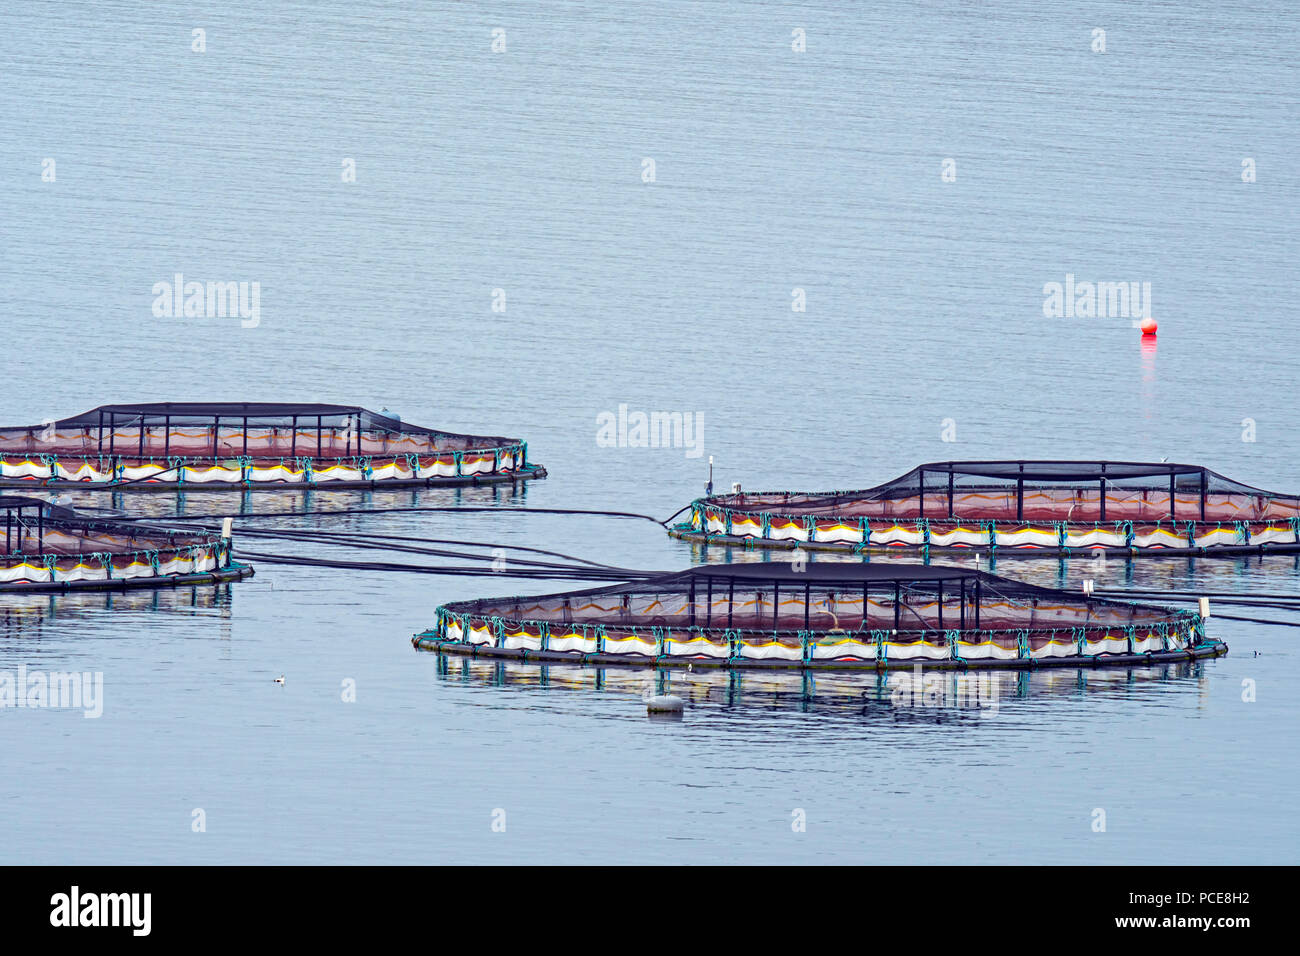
[{"x": 412, "y": 509}]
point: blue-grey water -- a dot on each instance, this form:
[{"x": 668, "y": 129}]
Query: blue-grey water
[{"x": 524, "y": 171}]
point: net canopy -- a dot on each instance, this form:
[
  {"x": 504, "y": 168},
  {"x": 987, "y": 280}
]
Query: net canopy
[
  {"x": 47, "y": 545},
  {"x": 1080, "y": 491},
  {"x": 174, "y": 444},
  {"x": 216, "y": 429},
  {"x": 817, "y": 612}
]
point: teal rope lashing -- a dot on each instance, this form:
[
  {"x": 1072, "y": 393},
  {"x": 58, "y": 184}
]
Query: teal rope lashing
[
  {"x": 953, "y": 637},
  {"x": 806, "y": 645},
  {"x": 735, "y": 642}
]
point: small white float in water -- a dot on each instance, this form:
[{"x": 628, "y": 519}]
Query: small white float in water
[{"x": 662, "y": 703}]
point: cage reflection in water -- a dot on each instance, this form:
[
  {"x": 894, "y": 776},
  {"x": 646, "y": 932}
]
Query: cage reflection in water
[
  {"x": 976, "y": 693},
  {"x": 822, "y": 616}
]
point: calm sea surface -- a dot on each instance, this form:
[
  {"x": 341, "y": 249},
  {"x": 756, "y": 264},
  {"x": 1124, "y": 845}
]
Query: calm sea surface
[{"x": 522, "y": 171}]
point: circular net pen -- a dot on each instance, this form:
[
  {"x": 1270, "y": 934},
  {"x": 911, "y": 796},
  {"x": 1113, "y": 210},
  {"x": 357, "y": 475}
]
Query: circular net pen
[
  {"x": 51, "y": 548},
  {"x": 827, "y": 616},
  {"x": 1019, "y": 507},
  {"x": 213, "y": 446}
]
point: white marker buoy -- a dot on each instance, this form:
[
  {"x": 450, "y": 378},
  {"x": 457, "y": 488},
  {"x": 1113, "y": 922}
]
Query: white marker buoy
[
  {"x": 1205, "y": 608},
  {"x": 662, "y": 703}
]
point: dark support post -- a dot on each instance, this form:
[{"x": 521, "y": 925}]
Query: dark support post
[
  {"x": 9, "y": 548},
  {"x": 99, "y": 446},
  {"x": 963, "y": 604},
  {"x": 1020, "y": 494},
  {"x": 40, "y": 529},
  {"x": 776, "y": 604},
  {"x": 807, "y": 594},
  {"x": 731, "y": 598},
  {"x": 921, "y": 482},
  {"x": 293, "y": 442},
  {"x": 167, "y": 436},
  {"x": 320, "y": 450},
  {"x": 708, "y": 610},
  {"x": 1173, "y": 492},
  {"x": 950, "y": 490},
  {"x": 1101, "y": 487},
  {"x": 866, "y": 607},
  {"x": 692, "y": 601},
  {"x": 977, "y": 604},
  {"x": 245, "y": 436},
  {"x": 1204, "y": 483},
  {"x": 941, "y": 604},
  {"x": 112, "y": 432},
  {"x": 898, "y": 608},
  {"x": 216, "y": 432}
]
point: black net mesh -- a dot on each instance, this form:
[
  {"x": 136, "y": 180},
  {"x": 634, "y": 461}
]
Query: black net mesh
[
  {"x": 45, "y": 545},
  {"x": 217, "y": 430},
  {"x": 1073, "y": 491}
]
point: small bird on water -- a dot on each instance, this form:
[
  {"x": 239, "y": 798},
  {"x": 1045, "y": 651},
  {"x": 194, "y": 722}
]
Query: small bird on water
[{"x": 280, "y": 679}]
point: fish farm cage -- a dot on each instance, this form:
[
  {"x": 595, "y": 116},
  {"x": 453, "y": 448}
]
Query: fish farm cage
[
  {"x": 51, "y": 548},
  {"x": 1060, "y": 507},
  {"x": 183, "y": 445},
  {"x": 831, "y": 616}
]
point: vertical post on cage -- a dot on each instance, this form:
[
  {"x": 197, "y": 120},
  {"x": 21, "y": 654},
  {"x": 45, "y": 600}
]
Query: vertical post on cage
[
  {"x": 963, "y": 603},
  {"x": 40, "y": 529},
  {"x": 216, "y": 432},
  {"x": 320, "y": 450},
  {"x": 940, "y": 604},
  {"x": 692, "y": 618},
  {"x": 293, "y": 441},
  {"x": 1173, "y": 490},
  {"x": 921, "y": 484},
  {"x": 898, "y": 607},
  {"x": 776, "y": 604},
  {"x": 807, "y": 596},
  {"x": 1204, "y": 484},
  {"x": 99, "y": 444},
  {"x": 1101, "y": 490},
  {"x": 708, "y": 605},
  {"x": 112, "y": 432},
  {"x": 977, "y": 604},
  {"x": 245, "y": 452},
  {"x": 1020, "y": 494},
  {"x": 140, "y": 451},
  {"x": 9, "y": 548},
  {"x": 731, "y": 598},
  {"x": 951, "y": 513},
  {"x": 866, "y": 607},
  {"x": 167, "y": 436}
]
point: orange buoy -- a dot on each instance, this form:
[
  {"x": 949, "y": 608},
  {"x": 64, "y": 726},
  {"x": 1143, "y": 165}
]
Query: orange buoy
[{"x": 1149, "y": 326}]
